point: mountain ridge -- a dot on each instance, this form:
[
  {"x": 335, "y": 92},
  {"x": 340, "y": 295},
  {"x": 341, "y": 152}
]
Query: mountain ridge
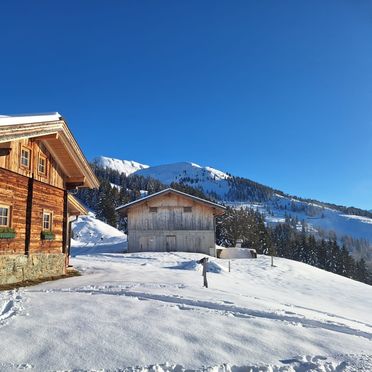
[{"x": 352, "y": 227}]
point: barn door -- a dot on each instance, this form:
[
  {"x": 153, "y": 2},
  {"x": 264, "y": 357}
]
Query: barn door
[{"x": 170, "y": 243}]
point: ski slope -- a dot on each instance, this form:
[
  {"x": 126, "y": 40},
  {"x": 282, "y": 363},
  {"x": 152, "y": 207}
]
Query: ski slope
[{"x": 149, "y": 312}]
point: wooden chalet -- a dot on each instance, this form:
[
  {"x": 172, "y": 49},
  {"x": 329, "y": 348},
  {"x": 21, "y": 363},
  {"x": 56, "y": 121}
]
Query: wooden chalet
[
  {"x": 40, "y": 165},
  {"x": 171, "y": 220}
]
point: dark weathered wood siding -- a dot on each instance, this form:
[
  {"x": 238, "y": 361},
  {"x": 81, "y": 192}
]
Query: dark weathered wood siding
[
  {"x": 54, "y": 175},
  {"x": 171, "y": 227}
]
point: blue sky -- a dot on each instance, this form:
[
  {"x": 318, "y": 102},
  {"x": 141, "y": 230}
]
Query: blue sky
[{"x": 276, "y": 91}]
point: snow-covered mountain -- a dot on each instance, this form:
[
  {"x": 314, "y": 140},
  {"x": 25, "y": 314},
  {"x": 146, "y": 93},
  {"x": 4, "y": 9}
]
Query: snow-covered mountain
[
  {"x": 209, "y": 179},
  {"x": 122, "y": 166},
  {"x": 321, "y": 218}
]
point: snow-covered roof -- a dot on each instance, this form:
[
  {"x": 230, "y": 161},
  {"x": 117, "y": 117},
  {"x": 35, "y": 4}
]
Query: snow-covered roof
[
  {"x": 29, "y": 118},
  {"x": 173, "y": 191}
]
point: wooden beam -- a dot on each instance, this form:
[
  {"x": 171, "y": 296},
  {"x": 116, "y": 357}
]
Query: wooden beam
[
  {"x": 48, "y": 137},
  {"x": 75, "y": 180},
  {"x": 65, "y": 223},
  {"x": 29, "y": 215},
  {"x": 5, "y": 145}
]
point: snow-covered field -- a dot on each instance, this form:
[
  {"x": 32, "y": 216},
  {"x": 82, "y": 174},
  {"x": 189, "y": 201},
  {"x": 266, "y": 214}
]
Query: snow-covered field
[{"x": 149, "y": 311}]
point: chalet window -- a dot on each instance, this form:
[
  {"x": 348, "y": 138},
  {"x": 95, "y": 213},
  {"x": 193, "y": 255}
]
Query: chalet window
[
  {"x": 187, "y": 209},
  {"x": 25, "y": 157},
  {"x": 4, "y": 216},
  {"x": 153, "y": 209},
  {"x": 47, "y": 221},
  {"x": 42, "y": 165}
]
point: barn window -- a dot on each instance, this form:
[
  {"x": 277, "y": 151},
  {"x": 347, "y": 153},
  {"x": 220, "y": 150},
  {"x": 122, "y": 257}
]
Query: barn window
[
  {"x": 47, "y": 221},
  {"x": 4, "y": 216},
  {"x": 187, "y": 209},
  {"x": 25, "y": 157},
  {"x": 153, "y": 209},
  {"x": 42, "y": 165}
]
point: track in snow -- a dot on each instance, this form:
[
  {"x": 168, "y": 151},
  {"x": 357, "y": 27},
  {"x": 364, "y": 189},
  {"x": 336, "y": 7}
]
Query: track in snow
[
  {"x": 11, "y": 304},
  {"x": 223, "y": 308}
]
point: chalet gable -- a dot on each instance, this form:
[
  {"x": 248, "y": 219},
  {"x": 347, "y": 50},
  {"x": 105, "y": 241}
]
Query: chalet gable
[
  {"x": 54, "y": 133},
  {"x": 157, "y": 200}
]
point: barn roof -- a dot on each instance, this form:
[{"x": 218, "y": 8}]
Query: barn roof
[
  {"x": 53, "y": 131},
  {"x": 125, "y": 207}
]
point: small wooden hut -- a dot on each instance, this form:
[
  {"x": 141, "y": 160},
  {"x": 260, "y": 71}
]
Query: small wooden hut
[{"x": 171, "y": 220}]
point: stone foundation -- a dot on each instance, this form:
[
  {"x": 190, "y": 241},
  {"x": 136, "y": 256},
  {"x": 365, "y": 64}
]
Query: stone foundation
[{"x": 19, "y": 268}]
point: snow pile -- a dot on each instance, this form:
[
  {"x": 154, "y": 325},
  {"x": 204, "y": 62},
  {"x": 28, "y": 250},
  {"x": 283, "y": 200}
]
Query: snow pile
[
  {"x": 92, "y": 236},
  {"x": 122, "y": 166},
  {"x": 213, "y": 266}
]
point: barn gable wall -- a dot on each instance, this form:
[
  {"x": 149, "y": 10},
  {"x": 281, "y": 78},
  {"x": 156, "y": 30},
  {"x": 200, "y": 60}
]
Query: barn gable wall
[{"x": 171, "y": 227}]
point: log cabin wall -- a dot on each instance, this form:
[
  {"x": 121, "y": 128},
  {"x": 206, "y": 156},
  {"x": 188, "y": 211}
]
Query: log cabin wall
[
  {"x": 29, "y": 192},
  {"x": 171, "y": 223},
  {"x": 46, "y": 198},
  {"x": 53, "y": 176},
  {"x": 14, "y": 192}
]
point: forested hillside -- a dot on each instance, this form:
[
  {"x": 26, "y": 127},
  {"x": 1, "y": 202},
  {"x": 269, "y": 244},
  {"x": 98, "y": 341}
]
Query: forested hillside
[{"x": 291, "y": 238}]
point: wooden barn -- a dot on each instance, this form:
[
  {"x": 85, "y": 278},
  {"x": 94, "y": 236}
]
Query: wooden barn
[
  {"x": 40, "y": 162},
  {"x": 171, "y": 220}
]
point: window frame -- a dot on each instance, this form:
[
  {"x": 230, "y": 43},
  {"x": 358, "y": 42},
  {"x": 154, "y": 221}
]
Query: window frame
[
  {"x": 187, "y": 209},
  {"x": 27, "y": 149},
  {"x": 153, "y": 209},
  {"x": 50, "y": 214},
  {"x": 44, "y": 157},
  {"x": 9, "y": 216}
]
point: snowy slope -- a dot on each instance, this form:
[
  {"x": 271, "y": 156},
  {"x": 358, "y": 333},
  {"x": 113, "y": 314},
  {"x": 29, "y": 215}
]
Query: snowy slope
[
  {"x": 209, "y": 179},
  {"x": 122, "y": 166},
  {"x": 90, "y": 235},
  {"x": 319, "y": 219},
  {"x": 145, "y": 309}
]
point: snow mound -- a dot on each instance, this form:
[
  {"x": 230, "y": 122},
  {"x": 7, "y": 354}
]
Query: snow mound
[
  {"x": 92, "y": 236},
  {"x": 122, "y": 166},
  {"x": 213, "y": 267}
]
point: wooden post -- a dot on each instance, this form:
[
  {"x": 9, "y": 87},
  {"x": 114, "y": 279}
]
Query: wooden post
[
  {"x": 229, "y": 267},
  {"x": 205, "y": 269},
  {"x": 272, "y": 261},
  {"x": 29, "y": 215},
  {"x": 65, "y": 223}
]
